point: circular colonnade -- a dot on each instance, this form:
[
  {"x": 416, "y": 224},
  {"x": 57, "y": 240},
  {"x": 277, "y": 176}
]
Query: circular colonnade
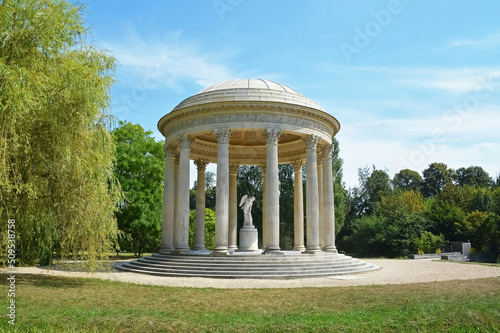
[{"x": 248, "y": 122}]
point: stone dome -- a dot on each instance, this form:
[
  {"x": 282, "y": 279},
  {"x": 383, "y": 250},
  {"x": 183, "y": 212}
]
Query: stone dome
[
  {"x": 247, "y": 90},
  {"x": 247, "y": 107}
]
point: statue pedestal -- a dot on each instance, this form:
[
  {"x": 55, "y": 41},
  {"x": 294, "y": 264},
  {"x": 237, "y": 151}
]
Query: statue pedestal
[{"x": 249, "y": 239}]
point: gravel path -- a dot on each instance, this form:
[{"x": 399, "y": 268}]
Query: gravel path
[{"x": 392, "y": 272}]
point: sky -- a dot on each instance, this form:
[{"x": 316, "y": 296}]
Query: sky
[{"x": 411, "y": 82}]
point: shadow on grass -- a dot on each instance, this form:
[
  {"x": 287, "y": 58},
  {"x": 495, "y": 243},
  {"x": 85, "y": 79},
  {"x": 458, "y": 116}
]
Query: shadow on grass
[{"x": 44, "y": 281}]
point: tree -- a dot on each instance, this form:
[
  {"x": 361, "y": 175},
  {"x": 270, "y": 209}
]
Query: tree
[
  {"x": 56, "y": 153},
  {"x": 406, "y": 180},
  {"x": 338, "y": 187},
  {"x": 210, "y": 192},
  {"x": 377, "y": 185},
  {"x": 436, "y": 176},
  {"x": 473, "y": 176},
  {"x": 285, "y": 174},
  {"x": 139, "y": 168},
  {"x": 443, "y": 217},
  {"x": 209, "y": 228}
]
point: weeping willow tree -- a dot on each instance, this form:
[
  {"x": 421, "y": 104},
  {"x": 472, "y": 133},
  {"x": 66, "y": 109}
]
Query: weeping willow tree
[{"x": 56, "y": 152}]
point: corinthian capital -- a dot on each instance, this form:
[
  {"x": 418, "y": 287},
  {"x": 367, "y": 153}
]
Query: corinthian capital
[
  {"x": 169, "y": 150},
  {"x": 328, "y": 151},
  {"x": 233, "y": 168},
  {"x": 184, "y": 141},
  {"x": 223, "y": 135},
  {"x": 201, "y": 164},
  {"x": 311, "y": 141},
  {"x": 273, "y": 134},
  {"x": 298, "y": 164}
]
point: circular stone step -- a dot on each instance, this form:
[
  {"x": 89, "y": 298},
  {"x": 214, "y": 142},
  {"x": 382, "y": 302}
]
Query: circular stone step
[{"x": 291, "y": 264}]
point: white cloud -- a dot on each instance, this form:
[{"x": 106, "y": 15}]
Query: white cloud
[
  {"x": 414, "y": 143},
  {"x": 169, "y": 61},
  {"x": 485, "y": 42},
  {"x": 454, "y": 80}
]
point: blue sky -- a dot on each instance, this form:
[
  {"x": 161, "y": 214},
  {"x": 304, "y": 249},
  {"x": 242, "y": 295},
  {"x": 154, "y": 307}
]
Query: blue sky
[{"x": 411, "y": 82}]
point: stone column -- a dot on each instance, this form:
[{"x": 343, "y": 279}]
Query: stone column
[
  {"x": 168, "y": 214},
  {"x": 176, "y": 201},
  {"x": 312, "y": 205},
  {"x": 233, "y": 207},
  {"x": 200, "y": 206},
  {"x": 320, "y": 198},
  {"x": 328, "y": 201},
  {"x": 222, "y": 196},
  {"x": 181, "y": 229},
  {"x": 272, "y": 191},
  {"x": 264, "y": 206},
  {"x": 298, "y": 207}
]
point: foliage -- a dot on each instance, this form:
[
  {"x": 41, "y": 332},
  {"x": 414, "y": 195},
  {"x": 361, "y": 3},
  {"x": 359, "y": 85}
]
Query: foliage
[
  {"x": 429, "y": 243},
  {"x": 436, "y": 176},
  {"x": 139, "y": 168},
  {"x": 338, "y": 187},
  {"x": 379, "y": 235},
  {"x": 474, "y": 176},
  {"x": 406, "y": 180},
  {"x": 209, "y": 228},
  {"x": 381, "y": 221},
  {"x": 56, "y": 153},
  {"x": 210, "y": 192},
  {"x": 286, "y": 181}
]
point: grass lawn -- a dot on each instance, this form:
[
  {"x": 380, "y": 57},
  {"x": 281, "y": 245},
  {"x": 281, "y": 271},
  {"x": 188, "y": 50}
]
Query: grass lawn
[{"x": 62, "y": 304}]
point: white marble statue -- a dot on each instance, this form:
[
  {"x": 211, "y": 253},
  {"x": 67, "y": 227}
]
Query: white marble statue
[{"x": 246, "y": 204}]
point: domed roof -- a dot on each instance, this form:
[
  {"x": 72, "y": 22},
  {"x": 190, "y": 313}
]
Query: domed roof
[
  {"x": 249, "y": 84},
  {"x": 248, "y": 90}
]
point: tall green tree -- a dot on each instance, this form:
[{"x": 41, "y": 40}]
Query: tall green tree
[
  {"x": 339, "y": 190},
  {"x": 377, "y": 185},
  {"x": 286, "y": 197},
  {"x": 407, "y": 180},
  {"x": 436, "y": 176},
  {"x": 56, "y": 153},
  {"x": 140, "y": 167},
  {"x": 473, "y": 176}
]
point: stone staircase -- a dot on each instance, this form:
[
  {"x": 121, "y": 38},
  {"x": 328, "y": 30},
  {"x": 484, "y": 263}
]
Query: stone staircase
[{"x": 290, "y": 264}]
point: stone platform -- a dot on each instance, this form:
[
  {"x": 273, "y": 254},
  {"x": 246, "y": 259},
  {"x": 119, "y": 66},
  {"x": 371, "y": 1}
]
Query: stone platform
[{"x": 291, "y": 264}]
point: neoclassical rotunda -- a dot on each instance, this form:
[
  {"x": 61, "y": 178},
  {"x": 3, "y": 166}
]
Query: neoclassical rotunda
[{"x": 248, "y": 122}]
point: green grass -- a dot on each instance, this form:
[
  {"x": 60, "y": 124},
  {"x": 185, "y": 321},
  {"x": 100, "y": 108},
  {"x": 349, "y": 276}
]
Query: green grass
[{"x": 63, "y": 304}]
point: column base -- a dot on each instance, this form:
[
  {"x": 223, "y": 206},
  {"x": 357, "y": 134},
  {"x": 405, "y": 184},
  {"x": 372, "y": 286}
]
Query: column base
[
  {"x": 219, "y": 253},
  {"x": 221, "y": 250},
  {"x": 274, "y": 253},
  {"x": 330, "y": 249},
  {"x": 233, "y": 248},
  {"x": 181, "y": 251},
  {"x": 299, "y": 248},
  {"x": 199, "y": 248},
  {"x": 166, "y": 250},
  {"x": 313, "y": 249}
]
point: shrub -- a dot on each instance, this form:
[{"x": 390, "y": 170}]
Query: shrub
[{"x": 428, "y": 242}]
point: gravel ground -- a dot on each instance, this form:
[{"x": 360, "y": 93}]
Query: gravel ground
[{"x": 391, "y": 272}]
